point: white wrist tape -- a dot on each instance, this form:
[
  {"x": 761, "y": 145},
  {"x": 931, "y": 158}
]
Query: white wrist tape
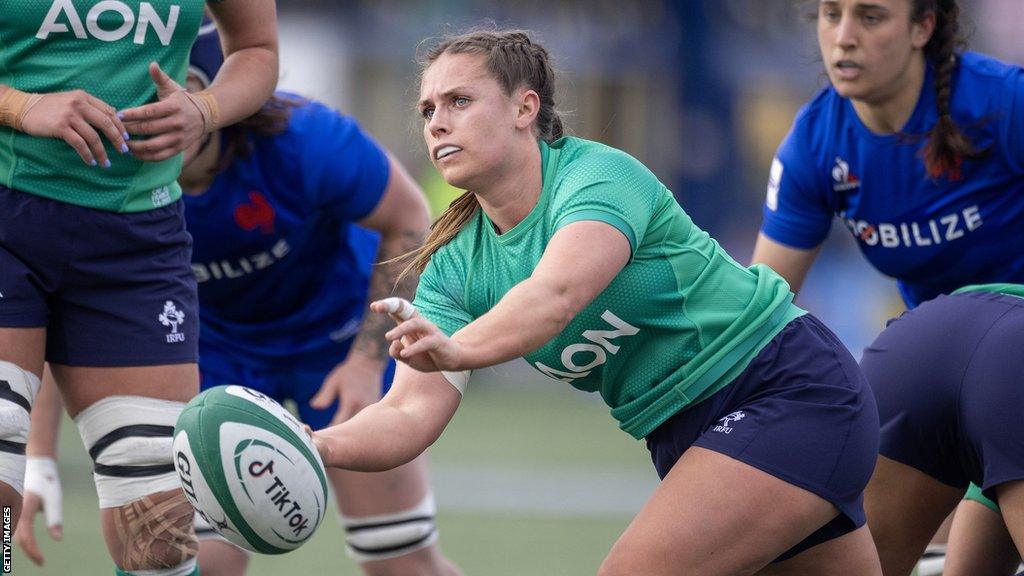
[{"x": 43, "y": 480}]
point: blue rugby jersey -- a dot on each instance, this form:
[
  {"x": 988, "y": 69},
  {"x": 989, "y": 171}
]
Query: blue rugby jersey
[
  {"x": 283, "y": 272},
  {"x": 932, "y": 235}
]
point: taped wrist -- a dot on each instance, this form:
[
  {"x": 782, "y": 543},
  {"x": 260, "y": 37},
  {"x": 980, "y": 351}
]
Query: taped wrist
[
  {"x": 208, "y": 108},
  {"x": 14, "y": 104}
]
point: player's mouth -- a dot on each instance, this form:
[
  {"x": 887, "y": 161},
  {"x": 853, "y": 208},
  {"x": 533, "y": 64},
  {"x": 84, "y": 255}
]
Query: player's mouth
[
  {"x": 442, "y": 152},
  {"x": 847, "y": 69}
]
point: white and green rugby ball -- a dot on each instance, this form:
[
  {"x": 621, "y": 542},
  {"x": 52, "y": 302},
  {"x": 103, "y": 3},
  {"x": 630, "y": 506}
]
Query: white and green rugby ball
[{"x": 248, "y": 467}]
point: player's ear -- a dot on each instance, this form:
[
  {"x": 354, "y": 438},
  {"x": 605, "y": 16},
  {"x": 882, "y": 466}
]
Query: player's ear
[
  {"x": 527, "y": 106},
  {"x": 922, "y": 30}
]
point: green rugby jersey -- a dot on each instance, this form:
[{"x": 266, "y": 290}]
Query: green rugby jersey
[
  {"x": 677, "y": 324},
  {"x": 105, "y": 49}
]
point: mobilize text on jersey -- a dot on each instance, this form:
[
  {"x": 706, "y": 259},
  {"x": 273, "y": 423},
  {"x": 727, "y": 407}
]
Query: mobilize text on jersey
[{"x": 935, "y": 231}]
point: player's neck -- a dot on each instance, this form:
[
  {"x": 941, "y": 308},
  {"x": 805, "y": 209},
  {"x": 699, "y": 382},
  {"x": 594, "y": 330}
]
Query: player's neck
[
  {"x": 514, "y": 195},
  {"x": 198, "y": 173},
  {"x": 889, "y": 112}
]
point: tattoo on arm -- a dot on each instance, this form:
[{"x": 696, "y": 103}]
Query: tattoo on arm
[{"x": 370, "y": 340}]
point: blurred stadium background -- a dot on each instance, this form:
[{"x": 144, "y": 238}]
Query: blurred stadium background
[{"x": 537, "y": 480}]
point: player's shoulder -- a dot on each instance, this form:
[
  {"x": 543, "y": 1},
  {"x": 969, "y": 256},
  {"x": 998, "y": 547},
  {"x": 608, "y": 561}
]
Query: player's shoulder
[
  {"x": 576, "y": 153},
  {"x": 312, "y": 128},
  {"x": 581, "y": 162},
  {"x": 819, "y": 117},
  {"x": 816, "y": 127},
  {"x": 307, "y": 114},
  {"x": 976, "y": 67},
  {"x": 985, "y": 81}
]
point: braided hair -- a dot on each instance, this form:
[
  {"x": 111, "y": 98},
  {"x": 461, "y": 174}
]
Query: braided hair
[{"x": 947, "y": 146}]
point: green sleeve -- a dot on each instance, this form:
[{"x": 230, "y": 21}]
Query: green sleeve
[
  {"x": 611, "y": 187},
  {"x": 440, "y": 294}
]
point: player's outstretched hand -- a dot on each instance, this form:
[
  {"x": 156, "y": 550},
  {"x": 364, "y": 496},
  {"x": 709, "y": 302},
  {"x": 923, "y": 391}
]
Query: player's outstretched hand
[
  {"x": 417, "y": 341},
  {"x": 171, "y": 124},
  {"x": 355, "y": 383},
  {"x": 42, "y": 492},
  {"x": 79, "y": 119}
]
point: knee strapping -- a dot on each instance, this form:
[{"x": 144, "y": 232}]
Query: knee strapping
[
  {"x": 18, "y": 390},
  {"x": 391, "y": 535},
  {"x": 155, "y": 533},
  {"x": 129, "y": 440}
]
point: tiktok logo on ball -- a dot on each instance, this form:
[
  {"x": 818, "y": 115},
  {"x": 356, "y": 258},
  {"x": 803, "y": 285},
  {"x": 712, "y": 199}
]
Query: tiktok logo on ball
[{"x": 255, "y": 463}]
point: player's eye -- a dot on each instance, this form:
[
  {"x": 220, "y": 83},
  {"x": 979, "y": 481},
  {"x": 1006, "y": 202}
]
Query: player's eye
[
  {"x": 427, "y": 112},
  {"x": 460, "y": 101},
  {"x": 872, "y": 19}
]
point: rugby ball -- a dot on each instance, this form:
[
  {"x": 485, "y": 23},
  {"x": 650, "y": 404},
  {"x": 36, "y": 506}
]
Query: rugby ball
[{"x": 250, "y": 470}]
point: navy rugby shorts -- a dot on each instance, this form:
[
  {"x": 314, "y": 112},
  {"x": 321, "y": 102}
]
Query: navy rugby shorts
[
  {"x": 111, "y": 289},
  {"x": 802, "y": 412},
  {"x": 949, "y": 380}
]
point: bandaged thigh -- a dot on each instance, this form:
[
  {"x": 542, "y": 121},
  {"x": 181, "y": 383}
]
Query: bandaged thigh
[
  {"x": 129, "y": 440},
  {"x": 391, "y": 535},
  {"x": 18, "y": 390}
]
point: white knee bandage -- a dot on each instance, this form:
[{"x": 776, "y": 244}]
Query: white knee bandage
[
  {"x": 391, "y": 535},
  {"x": 129, "y": 440},
  {"x": 18, "y": 389}
]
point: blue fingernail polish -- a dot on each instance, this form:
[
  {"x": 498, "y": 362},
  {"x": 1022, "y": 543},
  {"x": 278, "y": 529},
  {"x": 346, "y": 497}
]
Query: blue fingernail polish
[
  {"x": 126, "y": 136},
  {"x": 120, "y": 115},
  {"x": 106, "y": 163},
  {"x": 124, "y": 148}
]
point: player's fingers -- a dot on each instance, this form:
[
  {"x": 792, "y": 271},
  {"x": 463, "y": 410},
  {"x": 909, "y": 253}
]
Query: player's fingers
[
  {"x": 422, "y": 346},
  {"x": 395, "y": 350},
  {"x": 412, "y": 327},
  {"x": 75, "y": 140},
  {"x": 111, "y": 113},
  {"x": 150, "y": 111},
  {"x": 165, "y": 85},
  {"x": 157, "y": 148},
  {"x": 25, "y": 535},
  {"x": 174, "y": 123},
  {"x": 105, "y": 124},
  {"x": 398, "y": 308},
  {"x": 92, "y": 140},
  {"x": 54, "y": 514},
  {"x": 324, "y": 396},
  {"x": 31, "y": 549}
]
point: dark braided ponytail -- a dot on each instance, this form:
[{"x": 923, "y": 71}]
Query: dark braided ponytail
[{"x": 947, "y": 146}]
